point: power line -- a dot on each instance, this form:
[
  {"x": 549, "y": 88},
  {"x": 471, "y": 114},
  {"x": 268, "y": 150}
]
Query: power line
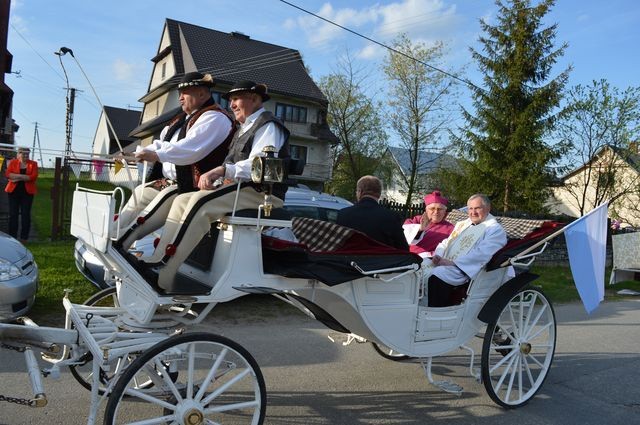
[
  {"x": 462, "y": 80},
  {"x": 32, "y": 48}
]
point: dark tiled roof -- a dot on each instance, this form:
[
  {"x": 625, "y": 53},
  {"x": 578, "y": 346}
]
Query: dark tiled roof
[
  {"x": 428, "y": 162},
  {"x": 149, "y": 127},
  {"x": 123, "y": 121},
  {"x": 628, "y": 155},
  {"x": 231, "y": 57}
]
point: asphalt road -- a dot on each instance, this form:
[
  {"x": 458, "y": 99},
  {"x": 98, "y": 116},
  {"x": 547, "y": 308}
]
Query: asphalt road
[{"x": 311, "y": 380}]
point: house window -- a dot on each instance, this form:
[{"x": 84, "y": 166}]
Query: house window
[
  {"x": 217, "y": 97},
  {"x": 163, "y": 73},
  {"x": 298, "y": 152},
  {"x": 291, "y": 113}
]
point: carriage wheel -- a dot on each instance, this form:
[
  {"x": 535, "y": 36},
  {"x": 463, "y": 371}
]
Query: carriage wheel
[
  {"x": 104, "y": 298},
  {"x": 389, "y": 353},
  {"x": 204, "y": 378},
  {"x": 83, "y": 373},
  {"x": 518, "y": 348}
]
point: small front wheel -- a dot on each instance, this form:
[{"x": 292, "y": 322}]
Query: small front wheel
[
  {"x": 389, "y": 353},
  {"x": 197, "y": 378},
  {"x": 518, "y": 348},
  {"x": 83, "y": 371}
]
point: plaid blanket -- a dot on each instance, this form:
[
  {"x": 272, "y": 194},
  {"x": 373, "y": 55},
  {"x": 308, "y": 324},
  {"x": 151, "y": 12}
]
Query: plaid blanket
[
  {"x": 318, "y": 235},
  {"x": 516, "y": 228}
]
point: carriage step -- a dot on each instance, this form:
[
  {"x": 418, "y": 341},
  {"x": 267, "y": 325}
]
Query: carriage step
[
  {"x": 449, "y": 387},
  {"x": 446, "y": 386}
]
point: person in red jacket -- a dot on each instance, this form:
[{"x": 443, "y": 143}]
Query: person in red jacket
[
  {"x": 433, "y": 226},
  {"x": 22, "y": 174}
]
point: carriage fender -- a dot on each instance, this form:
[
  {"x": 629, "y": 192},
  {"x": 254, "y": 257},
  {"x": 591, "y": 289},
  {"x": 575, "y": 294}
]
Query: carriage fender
[{"x": 501, "y": 297}]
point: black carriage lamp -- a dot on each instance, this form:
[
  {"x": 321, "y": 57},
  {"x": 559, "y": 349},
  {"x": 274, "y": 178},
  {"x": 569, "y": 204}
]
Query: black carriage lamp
[{"x": 267, "y": 170}]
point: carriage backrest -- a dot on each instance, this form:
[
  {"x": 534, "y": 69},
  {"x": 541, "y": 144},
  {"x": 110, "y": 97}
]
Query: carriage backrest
[{"x": 92, "y": 217}]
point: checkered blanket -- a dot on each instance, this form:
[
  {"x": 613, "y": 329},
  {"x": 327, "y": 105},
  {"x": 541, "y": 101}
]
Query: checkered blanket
[
  {"x": 516, "y": 228},
  {"x": 318, "y": 235}
]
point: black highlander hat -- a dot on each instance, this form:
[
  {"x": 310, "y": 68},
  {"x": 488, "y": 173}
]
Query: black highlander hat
[
  {"x": 248, "y": 86},
  {"x": 191, "y": 79}
]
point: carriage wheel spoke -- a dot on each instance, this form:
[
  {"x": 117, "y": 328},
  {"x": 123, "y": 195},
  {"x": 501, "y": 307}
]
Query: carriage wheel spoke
[
  {"x": 511, "y": 354},
  {"x": 167, "y": 379},
  {"x": 211, "y": 374},
  {"x": 226, "y": 385},
  {"x": 535, "y": 321},
  {"x": 235, "y": 406}
]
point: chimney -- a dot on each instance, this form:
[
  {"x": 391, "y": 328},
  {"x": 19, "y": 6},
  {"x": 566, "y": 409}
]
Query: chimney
[{"x": 238, "y": 34}]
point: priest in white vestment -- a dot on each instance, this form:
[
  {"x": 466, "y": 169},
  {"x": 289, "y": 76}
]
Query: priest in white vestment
[{"x": 461, "y": 256}]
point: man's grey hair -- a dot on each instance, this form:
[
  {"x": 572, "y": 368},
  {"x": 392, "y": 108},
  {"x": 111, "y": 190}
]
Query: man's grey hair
[
  {"x": 370, "y": 186},
  {"x": 484, "y": 198}
]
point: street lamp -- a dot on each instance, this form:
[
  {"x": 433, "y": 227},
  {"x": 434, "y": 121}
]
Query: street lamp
[{"x": 71, "y": 96}]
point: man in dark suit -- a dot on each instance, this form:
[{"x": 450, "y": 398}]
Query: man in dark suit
[{"x": 371, "y": 218}]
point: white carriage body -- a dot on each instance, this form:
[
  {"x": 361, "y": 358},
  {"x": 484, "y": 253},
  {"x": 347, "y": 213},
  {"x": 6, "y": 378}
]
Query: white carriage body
[
  {"x": 382, "y": 308},
  {"x": 387, "y": 307}
]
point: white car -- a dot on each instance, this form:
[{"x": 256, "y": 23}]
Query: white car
[
  {"x": 299, "y": 202},
  {"x": 18, "y": 278}
]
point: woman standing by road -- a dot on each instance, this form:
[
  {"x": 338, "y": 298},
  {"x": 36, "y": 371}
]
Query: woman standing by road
[{"x": 22, "y": 174}]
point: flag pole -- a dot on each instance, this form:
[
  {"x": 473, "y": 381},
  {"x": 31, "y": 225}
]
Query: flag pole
[{"x": 551, "y": 236}]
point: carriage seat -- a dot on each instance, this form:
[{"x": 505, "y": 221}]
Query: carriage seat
[
  {"x": 521, "y": 234},
  {"x": 325, "y": 250}
]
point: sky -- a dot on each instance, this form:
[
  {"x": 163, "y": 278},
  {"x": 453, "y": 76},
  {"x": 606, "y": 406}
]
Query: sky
[{"x": 113, "y": 41}]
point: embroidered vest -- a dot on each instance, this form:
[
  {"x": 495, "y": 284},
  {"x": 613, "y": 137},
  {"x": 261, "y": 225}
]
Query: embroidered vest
[
  {"x": 242, "y": 143},
  {"x": 187, "y": 176}
]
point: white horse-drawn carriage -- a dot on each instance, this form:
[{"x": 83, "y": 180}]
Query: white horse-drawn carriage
[{"x": 133, "y": 348}]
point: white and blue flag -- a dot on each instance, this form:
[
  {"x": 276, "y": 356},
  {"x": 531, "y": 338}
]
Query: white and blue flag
[{"x": 586, "y": 245}]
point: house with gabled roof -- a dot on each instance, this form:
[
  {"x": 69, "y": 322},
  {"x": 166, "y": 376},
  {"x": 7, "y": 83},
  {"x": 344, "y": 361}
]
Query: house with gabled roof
[
  {"x": 122, "y": 121},
  {"x": 230, "y": 57},
  {"x": 399, "y": 162},
  {"x": 611, "y": 175}
]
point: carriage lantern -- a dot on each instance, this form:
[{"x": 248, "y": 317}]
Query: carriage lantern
[{"x": 267, "y": 170}]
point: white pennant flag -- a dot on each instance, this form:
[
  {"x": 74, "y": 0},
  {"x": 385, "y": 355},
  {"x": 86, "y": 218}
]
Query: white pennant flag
[
  {"x": 586, "y": 245},
  {"x": 76, "y": 169}
]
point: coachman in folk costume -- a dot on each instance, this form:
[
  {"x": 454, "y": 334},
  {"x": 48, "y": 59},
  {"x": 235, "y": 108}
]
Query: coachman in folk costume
[
  {"x": 192, "y": 213},
  {"x": 194, "y": 142}
]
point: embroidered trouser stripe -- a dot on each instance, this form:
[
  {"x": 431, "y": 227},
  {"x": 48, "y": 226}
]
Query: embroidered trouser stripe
[{"x": 155, "y": 213}]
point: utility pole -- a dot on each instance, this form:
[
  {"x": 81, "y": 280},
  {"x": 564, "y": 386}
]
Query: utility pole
[
  {"x": 36, "y": 137},
  {"x": 71, "y": 100}
]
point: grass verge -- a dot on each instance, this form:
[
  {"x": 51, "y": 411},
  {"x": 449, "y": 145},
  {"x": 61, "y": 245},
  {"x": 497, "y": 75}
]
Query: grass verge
[{"x": 57, "y": 272}]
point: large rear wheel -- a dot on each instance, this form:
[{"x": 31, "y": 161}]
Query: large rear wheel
[
  {"x": 198, "y": 378},
  {"x": 518, "y": 348}
]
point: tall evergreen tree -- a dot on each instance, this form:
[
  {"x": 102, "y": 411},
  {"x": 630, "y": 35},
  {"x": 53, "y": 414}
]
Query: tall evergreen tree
[{"x": 504, "y": 141}]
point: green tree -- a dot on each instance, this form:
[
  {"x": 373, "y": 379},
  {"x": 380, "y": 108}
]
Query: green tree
[
  {"x": 419, "y": 99},
  {"x": 503, "y": 144},
  {"x": 354, "y": 117},
  {"x": 601, "y": 124}
]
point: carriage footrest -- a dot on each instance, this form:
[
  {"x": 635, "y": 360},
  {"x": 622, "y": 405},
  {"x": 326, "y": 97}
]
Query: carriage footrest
[{"x": 448, "y": 386}]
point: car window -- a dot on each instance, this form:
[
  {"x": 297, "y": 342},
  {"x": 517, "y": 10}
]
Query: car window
[
  {"x": 325, "y": 214},
  {"x": 302, "y": 211},
  {"x": 332, "y": 215}
]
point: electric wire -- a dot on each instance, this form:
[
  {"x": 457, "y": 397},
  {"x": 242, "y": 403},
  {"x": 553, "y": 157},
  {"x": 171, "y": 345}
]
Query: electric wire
[
  {"x": 37, "y": 53},
  {"x": 454, "y": 77}
]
